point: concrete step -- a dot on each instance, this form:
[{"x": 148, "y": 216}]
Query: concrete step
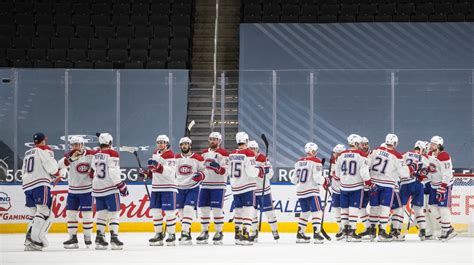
[
  {"x": 209, "y": 93},
  {"x": 208, "y": 104},
  {"x": 222, "y": 19}
]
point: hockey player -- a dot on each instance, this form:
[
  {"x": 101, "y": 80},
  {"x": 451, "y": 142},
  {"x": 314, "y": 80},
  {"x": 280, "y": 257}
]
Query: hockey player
[
  {"x": 441, "y": 171},
  {"x": 363, "y": 213},
  {"x": 336, "y": 189},
  {"x": 243, "y": 170},
  {"x": 189, "y": 173},
  {"x": 79, "y": 198},
  {"x": 413, "y": 187},
  {"x": 386, "y": 166},
  {"x": 433, "y": 222},
  {"x": 39, "y": 169},
  {"x": 352, "y": 169},
  {"x": 263, "y": 203},
  {"x": 308, "y": 177},
  {"x": 106, "y": 186},
  {"x": 213, "y": 187},
  {"x": 161, "y": 169}
]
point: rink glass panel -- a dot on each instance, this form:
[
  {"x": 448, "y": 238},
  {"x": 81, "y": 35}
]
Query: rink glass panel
[
  {"x": 133, "y": 105},
  {"x": 152, "y": 103},
  {"x": 92, "y": 99},
  {"x": 293, "y": 102},
  {"x": 7, "y": 121},
  {"x": 436, "y": 102},
  {"x": 256, "y": 106},
  {"x": 40, "y": 108},
  {"x": 349, "y": 102}
]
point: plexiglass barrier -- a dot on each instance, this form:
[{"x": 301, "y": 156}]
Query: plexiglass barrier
[
  {"x": 325, "y": 106},
  {"x": 290, "y": 107},
  {"x": 133, "y": 105}
]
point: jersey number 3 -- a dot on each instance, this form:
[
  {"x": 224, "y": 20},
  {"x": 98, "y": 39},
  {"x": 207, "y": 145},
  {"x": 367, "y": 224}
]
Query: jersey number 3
[{"x": 101, "y": 170}]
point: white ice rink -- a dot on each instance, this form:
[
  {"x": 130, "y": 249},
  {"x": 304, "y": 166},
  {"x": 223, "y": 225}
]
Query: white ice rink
[{"x": 136, "y": 251}]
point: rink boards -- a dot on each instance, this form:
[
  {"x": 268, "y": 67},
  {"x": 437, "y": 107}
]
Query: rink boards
[{"x": 135, "y": 216}]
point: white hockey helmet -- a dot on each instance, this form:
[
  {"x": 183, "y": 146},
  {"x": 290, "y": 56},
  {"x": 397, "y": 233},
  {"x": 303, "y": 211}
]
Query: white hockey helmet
[
  {"x": 338, "y": 148},
  {"x": 391, "y": 139},
  {"x": 185, "y": 140},
  {"x": 437, "y": 140},
  {"x": 364, "y": 140},
  {"x": 253, "y": 144},
  {"x": 163, "y": 138},
  {"x": 105, "y": 138},
  {"x": 309, "y": 147},
  {"x": 353, "y": 139},
  {"x": 242, "y": 138},
  {"x": 421, "y": 144},
  {"x": 216, "y": 135},
  {"x": 76, "y": 139}
]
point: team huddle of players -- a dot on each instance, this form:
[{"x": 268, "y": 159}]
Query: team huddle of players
[
  {"x": 382, "y": 178},
  {"x": 184, "y": 182}
]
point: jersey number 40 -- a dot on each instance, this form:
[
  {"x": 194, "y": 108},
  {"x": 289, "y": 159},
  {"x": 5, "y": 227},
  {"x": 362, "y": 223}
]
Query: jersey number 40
[{"x": 349, "y": 167}]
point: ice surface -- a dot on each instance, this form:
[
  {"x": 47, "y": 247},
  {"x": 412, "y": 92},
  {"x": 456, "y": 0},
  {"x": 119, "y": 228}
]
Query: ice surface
[{"x": 137, "y": 251}]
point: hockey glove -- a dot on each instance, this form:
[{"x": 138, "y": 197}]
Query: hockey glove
[
  {"x": 122, "y": 187},
  {"x": 198, "y": 177},
  {"x": 262, "y": 171},
  {"x": 441, "y": 192},
  {"x": 214, "y": 166},
  {"x": 327, "y": 183},
  {"x": 370, "y": 185},
  {"x": 154, "y": 166},
  {"x": 421, "y": 177},
  {"x": 145, "y": 173}
]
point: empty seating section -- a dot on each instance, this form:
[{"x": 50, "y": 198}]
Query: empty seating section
[
  {"x": 344, "y": 11},
  {"x": 96, "y": 33}
]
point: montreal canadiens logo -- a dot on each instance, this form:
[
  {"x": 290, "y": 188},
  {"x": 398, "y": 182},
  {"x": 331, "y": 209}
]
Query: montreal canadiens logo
[
  {"x": 5, "y": 202},
  {"x": 82, "y": 168},
  {"x": 185, "y": 170}
]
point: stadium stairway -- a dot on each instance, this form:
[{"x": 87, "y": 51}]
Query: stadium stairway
[{"x": 202, "y": 71}]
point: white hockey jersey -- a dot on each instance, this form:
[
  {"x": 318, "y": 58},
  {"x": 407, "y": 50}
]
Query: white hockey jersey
[
  {"x": 78, "y": 172},
  {"x": 106, "y": 167},
  {"x": 387, "y": 167},
  {"x": 214, "y": 180},
  {"x": 186, "y": 167},
  {"x": 243, "y": 171},
  {"x": 336, "y": 181},
  {"x": 441, "y": 169},
  {"x": 166, "y": 180},
  {"x": 262, "y": 161},
  {"x": 412, "y": 157},
  {"x": 308, "y": 177},
  {"x": 352, "y": 168},
  {"x": 38, "y": 167}
]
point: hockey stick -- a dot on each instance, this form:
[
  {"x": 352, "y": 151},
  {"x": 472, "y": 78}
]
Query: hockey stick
[
  {"x": 265, "y": 141},
  {"x": 133, "y": 150},
  {"x": 325, "y": 204},
  {"x": 188, "y": 129}
]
